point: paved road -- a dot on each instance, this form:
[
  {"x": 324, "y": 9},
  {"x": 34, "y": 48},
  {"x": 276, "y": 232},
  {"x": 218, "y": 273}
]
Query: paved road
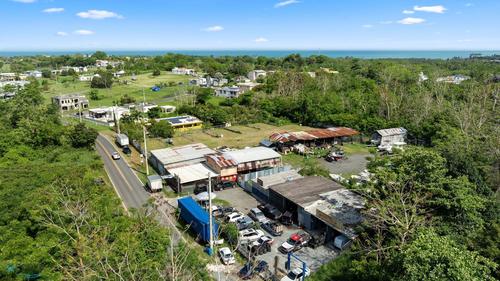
[{"x": 126, "y": 183}]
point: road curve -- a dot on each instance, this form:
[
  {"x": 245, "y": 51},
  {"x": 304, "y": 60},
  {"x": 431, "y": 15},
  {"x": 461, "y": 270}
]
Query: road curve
[{"x": 126, "y": 183}]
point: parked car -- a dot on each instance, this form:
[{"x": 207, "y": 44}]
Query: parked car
[
  {"x": 259, "y": 247},
  {"x": 273, "y": 228},
  {"x": 257, "y": 215},
  {"x": 286, "y": 218},
  {"x": 227, "y": 210},
  {"x": 317, "y": 239},
  {"x": 244, "y": 223},
  {"x": 126, "y": 150},
  {"x": 225, "y": 185},
  {"x": 270, "y": 211},
  {"x": 234, "y": 217},
  {"x": 115, "y": 155},
  {"x": 266, "y": 239},
  {"x": 226, "y": 256},
  {"x": 296, "y": 274},
  {"x": 341, "y": 242},
  {"x": 246, "y": 272},
  {"x": 295, "y": 242},
  {"x": 250, "y": 235},
  {"x": 261, "y": 267},
  {"x": 217, "y": 211}
]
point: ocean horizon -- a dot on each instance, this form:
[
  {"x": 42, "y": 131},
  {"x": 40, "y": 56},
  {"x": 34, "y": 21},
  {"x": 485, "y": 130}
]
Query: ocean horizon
[{"x": 367, "y": 54}]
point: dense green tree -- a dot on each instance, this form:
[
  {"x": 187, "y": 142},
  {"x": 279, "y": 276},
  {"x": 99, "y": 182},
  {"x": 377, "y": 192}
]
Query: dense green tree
[
  {"x": 104, "y": 79},
  {"x": 81, "y": 136},
  {"x": 154, "y": 112},
  {"x": 99, "y": 55},
  {"x": 161, "y": 129}
]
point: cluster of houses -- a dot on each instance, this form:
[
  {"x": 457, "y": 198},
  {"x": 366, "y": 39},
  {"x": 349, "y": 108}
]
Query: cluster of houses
[
  {"x": 15, "y": 81},
  {"x": 453, "y": 79}
]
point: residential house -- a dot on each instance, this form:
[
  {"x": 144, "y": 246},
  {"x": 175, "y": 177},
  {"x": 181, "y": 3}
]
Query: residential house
[
  {"x": 254, "y": 158},
  {"x": 71, "y": 102},
  {"x": 228, "y": 92},
  {"x": 453, "y": 79},
  {"x": 247, "y": 86},
  {"x": 389, "y": 137},
  {"x": 167, "y": 108},
  {"x": 108, "y": 115},
  {"x": 34, "y": 74},
  {"x": 183, "y": 71},
  {"x": 183, "y": 123},
  {"x": 8, "y": 76},
  {"x": 256, "y": 74},
  {"x": 227, "y": 169}
]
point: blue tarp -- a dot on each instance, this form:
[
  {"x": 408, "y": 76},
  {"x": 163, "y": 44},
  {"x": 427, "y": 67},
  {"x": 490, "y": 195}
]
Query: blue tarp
[
  {"x": 155, "y": 88},
  {"x": 192, "y": 213}
]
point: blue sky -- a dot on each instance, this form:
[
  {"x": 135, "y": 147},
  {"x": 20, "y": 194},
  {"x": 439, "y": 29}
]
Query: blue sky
[{"x": 256, "y": 24}]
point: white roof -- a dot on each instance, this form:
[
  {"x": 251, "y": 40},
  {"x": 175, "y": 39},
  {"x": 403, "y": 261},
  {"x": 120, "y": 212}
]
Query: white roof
[
  {"x": 392, "y": 132},
  {"x": 251, "y": 154},
  {"x": 178, "y": 155},
  {"x": 192, "y": 173},
  {"x": 267, "y": 181}
]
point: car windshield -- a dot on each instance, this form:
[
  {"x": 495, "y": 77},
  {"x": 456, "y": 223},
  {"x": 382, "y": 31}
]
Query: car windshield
[{"x": 292, "y": 275}]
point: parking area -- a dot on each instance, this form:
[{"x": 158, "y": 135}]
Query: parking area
[
  {"x": 314, "y": 258},
  {"x": 354, "y": 164}
]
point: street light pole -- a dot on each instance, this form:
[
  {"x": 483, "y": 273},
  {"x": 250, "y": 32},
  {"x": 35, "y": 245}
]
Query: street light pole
[
  {"x": 211, "y": 242},
  {"x": 144, "y": 134}
]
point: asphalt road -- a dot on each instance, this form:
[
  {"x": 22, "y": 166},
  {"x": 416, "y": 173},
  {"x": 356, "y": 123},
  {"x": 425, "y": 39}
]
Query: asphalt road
[{"x": 126, "y": 183}]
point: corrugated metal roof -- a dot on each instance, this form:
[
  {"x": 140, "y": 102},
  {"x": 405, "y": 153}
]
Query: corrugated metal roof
[
  {"x": 174, "y": 155},
  {"x": 222, "y": 161},
  {"x": 306, "y": 190},
  {"x": 251, "y": 154},
  {"x": 392, "y": 132},
  {"x": 192, "y": 173},
  {"x": 313, "y": 134},
  {"x": 286, "y": 176}
]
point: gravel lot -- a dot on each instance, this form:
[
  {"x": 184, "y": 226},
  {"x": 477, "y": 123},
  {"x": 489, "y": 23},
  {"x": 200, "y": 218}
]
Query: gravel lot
[{"x": 354, "y": 164}]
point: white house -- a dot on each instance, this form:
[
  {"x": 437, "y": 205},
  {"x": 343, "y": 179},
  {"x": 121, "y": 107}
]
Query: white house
[
  {"x": 144, "y": 108},
  {"x": 108, "y": 114},
  {"x": 389, "y": 137},
  {"x": 119, "y": 74},
  {"x": 34, "y": 74},
  {"x": 228, "y": 92},
  {"x": 71, "y": 102},
  {"x": 454, "y": 79},
  {"x": 167, "y": 108},
  {"x": 248, "y": 86},
  {"x": 183, "y": 71},
  {"x": 255, "y": 74},
  {"x": 85, "y": 78},
  {"x": 8, "y": 76}
]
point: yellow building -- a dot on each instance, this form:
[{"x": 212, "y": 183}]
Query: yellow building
[{"x": 183, "y": 123}]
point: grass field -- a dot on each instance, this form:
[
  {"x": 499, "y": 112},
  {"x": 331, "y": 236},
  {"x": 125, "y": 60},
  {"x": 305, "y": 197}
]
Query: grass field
[
  {"x": 67, "y": 85},
  {"x": 250, "y": 135}
]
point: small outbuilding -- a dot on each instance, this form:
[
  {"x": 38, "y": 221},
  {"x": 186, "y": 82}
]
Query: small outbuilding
[{"x": 389, "y": 137}]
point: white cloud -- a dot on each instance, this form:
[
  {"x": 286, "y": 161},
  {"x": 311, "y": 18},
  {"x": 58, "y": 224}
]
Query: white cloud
[
  {"x": 61, "y": 33},
  {"x": 215, "y": 28},
  {"x": 261, "y": 40},
  {"x": 469, "y": 4},
  {"x": 286, "y": 3},
  {"x": 367, "y": 25},
  {"x": 409, "y": 21},
  {"x": 407, "y": 12},
  {"x": 84, "y": 32},
  {"x": 438, "y": 9},
  {"x": 53, "y": 10},
  {"x": 25, "y": 1},
  {"x": 99, "y": 15}
]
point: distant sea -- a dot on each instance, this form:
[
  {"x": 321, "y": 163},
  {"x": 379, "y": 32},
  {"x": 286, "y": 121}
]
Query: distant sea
[{"x": 269, "y": 53}]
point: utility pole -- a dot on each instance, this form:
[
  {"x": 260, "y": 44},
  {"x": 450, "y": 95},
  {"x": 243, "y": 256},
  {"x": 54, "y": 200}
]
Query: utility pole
[
  {"x": 80, "y": 111},
  {"x": 117, "y": 120},
  {"x": 144, "y": 133},
  {"x": 211, "y": 242}
]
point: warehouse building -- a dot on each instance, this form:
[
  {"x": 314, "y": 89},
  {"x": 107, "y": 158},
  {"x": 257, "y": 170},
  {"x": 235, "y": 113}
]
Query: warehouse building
[
  {"x": 260, "y": 186},
  {"x": 167, "y": 158},
  {"x": 314, "y": 137},
  {"x": 389, "y": 137},
  {"x": 189, "y": 178},
  {"x": 319, "y": 204},
  {"x": 253, "y": 158},
  {"x": 226, "y": 168}
]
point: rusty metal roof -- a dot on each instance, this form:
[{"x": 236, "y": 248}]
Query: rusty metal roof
[
  {"x": 222, "y": 161},
  {"x": 336, "y": 132}
]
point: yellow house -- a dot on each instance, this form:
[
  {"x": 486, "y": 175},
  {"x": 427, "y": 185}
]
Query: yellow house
[{"x": 183, "y": 123}]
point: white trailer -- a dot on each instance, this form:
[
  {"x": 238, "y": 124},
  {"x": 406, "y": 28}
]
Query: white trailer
[
  {"x": 155, "y": 183},
  {"x": 122, "y": 140}
]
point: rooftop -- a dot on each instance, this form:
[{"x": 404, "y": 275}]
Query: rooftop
[
  {"x": 251, "y": 154},
  {"x": 222, "y": 161},
  {"x": 192, "y": 173},
  {"x": 178, "y": 120},
  {"x": 267, "y": 181},
  {"x": 339, "y": 208},
  {"x": 305, "y": 190},
  {"x": 334, "y": 132},
  {"x": 392, "y": 132},
  {"x": 177, "y": 155}
]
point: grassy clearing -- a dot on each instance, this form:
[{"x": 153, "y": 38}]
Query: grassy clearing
[
  {"x": 250, "y": 135},
  {"x": 68, "y": 85}
]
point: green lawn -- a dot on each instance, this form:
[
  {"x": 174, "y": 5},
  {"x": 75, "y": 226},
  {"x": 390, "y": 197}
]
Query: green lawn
[{"x": 68, "y": 85}]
